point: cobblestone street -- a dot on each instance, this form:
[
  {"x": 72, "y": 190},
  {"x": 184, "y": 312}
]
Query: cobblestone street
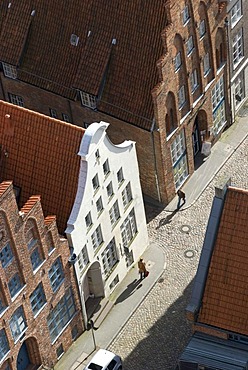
[{"x": 158, "y": 330}]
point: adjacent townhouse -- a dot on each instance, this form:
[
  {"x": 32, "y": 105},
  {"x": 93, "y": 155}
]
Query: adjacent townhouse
[
  {"x": 237, "y": 36},
  {"x": 98, "y": 191},
  {"x": 40, "y": 311},
  {"x": 218, "y": 307},
  {"x": 158, "y": 73},
  {"x": 107, "y": 226}
]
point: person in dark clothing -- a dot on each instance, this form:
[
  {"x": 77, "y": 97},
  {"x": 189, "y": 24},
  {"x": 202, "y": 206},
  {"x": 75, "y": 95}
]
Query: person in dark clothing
[{"x": 181, "y": 196}]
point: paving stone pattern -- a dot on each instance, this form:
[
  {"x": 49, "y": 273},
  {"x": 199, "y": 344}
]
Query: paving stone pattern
[{"x": 157, "y": 332}]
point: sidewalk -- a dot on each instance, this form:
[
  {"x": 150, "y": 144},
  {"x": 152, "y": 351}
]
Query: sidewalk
[
  {"x": 220, "y": 152},
  {"x": 127, "y": 297},
  {"x": 129, "y": 294}
]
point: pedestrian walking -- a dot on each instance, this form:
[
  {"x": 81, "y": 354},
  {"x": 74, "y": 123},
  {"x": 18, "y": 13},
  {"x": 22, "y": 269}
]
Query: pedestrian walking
[
  {"x": 181, "y": 196},
  {"x": 142, "y": 268}
]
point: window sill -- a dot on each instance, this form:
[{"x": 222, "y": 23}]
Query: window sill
[
  {"x": 18, "y": 293},
  {"x": 41, "y": 309},
  {"x": 171, "y": 134},
  {"x": 38, "y": 268},
  {"x": 64, "y": 328},
  {"x": 115, "y": 223}
]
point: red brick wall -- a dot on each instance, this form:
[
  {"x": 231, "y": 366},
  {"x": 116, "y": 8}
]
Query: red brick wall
[
  {"x": 157, "y": 184},
  {"x": 37, "y": 335}
]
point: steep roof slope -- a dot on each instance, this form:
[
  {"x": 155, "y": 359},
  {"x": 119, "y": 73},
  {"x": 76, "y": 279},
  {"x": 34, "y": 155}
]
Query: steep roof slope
[
  {"x": 39, "y": 154},
  {"x": 118, "y": 47},
  {"x": 225, "y": 299}
]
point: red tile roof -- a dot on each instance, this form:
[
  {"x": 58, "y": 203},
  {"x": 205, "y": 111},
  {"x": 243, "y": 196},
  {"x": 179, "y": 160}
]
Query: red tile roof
[
  {"x": 119, "y": 45},
  {"x": 4, "y": 186},
  {"x": 225, "y": 300},
  {"x": 39, "y": 154}
]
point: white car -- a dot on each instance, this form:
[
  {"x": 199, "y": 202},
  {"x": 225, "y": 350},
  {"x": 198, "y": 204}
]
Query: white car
[{"x": 104, "y": 360}]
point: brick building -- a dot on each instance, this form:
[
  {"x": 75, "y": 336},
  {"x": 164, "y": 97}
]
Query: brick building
[
  {"x": 237, "y": 32},
  {"x": 218, "y": 306},
  {"x": 39, "y": 304},
  {"x": 157, "y": 73}
]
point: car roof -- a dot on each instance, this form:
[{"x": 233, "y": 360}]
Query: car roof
[{"x": 103, "y": 357}]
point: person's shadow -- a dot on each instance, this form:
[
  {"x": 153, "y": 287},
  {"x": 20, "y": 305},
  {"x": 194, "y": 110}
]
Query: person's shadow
[
  {"x": 166, "y": 220},
  {"x": 128, "y": 291}
]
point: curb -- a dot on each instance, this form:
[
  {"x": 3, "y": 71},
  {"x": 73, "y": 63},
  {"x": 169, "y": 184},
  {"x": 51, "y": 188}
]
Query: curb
[
  {"x": 214, "y": 174},
  {"x": 136, "y": 307}
]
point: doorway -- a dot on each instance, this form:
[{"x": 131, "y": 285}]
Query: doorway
[{"x": 23, "y": 360}]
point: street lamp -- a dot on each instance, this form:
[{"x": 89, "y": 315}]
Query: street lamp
[{"x": 91, "y": 324}]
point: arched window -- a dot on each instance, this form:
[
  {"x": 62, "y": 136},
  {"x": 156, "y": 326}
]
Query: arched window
[
  {"x": 33, "y": 244},
  {"x": 171, "y": 117}
]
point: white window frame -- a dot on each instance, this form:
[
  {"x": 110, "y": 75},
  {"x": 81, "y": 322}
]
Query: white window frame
[
  {"x": 106, "y": 168},
  {"x": 16, "y": 100},
  {"x": 74, "y": 39},
  {"x": 236, "y": 13},
  {"x": 53, "y": 113},
  {"x": 178, "y": 61},
  {"x": 185, "y": 15},
  {"x": 9, "y": 71},
  {"x": 114, "y": 213},
  {"x": 109, "y": 257},
  {"x": 206, "y": 64},
  {"x": 202, "y": 28},
  {"x": 129, "y": 229},
  {"x": 189, "y": 45},
  {"x": 238, "y": 48},
  {"x": 127, "y": 195},
  {"x": 95, "y": 182},
  {"x": 99, "y": 205},
  {"x": 179, "y": 159},
  {"x": 83, "y": 258},
  {"x": 218, "y": 104},
  {"x": 110, "y": 190},
  {"x": 88, "y": 220},
  {"x": 239, "y": 90},
  {"x": 120, "y": 176},
  {"x": 65, "y": 117},
  {"x": 97, "y": 238},
  {"x": 17, "y": 323},
  {"x": 194, "y": 80},
  {"x": 181, "y": 96},
  {"x": 88, "y": 100}
]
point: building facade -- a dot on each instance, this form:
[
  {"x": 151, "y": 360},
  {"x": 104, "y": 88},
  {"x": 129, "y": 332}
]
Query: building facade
[
  {"x": 107, "y": 226},
  {"x": 40, "y": 310},
  {"x": 238, "y": 50},
  {"x": 164, "y": 88}
]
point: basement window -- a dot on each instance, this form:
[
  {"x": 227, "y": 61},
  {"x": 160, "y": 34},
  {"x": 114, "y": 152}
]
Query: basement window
[{"x": 88, "y": 100}]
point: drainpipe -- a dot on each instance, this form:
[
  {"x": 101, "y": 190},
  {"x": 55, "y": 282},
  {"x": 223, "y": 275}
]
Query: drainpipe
[
  {"x": 232, "y": 103},
  {"x": 155, "y": 160}
]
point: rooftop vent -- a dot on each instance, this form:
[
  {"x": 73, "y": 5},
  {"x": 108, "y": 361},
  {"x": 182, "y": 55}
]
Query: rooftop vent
[
  {"x": 113, "y": 41},
  {"x": 33, "y": 13},
  {"x": 89, "y": 33},
  {"x": 9, "y": 5},
  {"x": 74, "y": 39}
]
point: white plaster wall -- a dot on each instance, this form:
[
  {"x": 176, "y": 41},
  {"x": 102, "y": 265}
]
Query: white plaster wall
[{"x": 123, "y": 155}]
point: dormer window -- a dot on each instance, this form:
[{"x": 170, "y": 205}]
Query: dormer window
[
  {"x": 9, "y": 71},
  {"x": 74, "y": 39},
  {"x": 88, "y": 100}
]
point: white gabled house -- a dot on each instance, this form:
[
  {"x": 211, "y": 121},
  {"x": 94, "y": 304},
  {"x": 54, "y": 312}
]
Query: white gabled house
[{"x": 107, "y": 226}]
